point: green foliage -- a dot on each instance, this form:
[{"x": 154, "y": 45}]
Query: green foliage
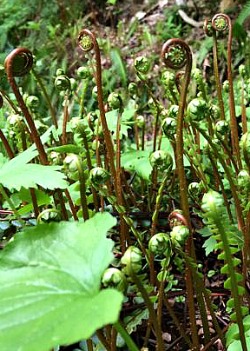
[
  {"x": 119, "y": 67},
  {"x": 227, "y": 237},
  {"x": 145, "y": 146},
  {"x": 244, "y": 13},
  {"x": 137, "y": 161},
  {"x": 50, "y": 285},
  {"x": 18, "y": 173}
]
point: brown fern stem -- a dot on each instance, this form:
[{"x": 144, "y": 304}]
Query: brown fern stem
[
  {"x": 176, "y": 54},
  {"x": 10, "y": 62}
]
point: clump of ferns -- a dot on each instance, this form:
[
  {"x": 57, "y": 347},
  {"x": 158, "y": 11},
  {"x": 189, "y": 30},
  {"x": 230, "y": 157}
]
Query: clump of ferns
[{"x": 230, "y": 243}]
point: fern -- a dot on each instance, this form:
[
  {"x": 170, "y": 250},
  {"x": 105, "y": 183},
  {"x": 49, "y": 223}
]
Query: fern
[
  {"x": 239, "y": 31},
  {"x": 229, "y": 241},
  {"x": 244, "y": 14}
]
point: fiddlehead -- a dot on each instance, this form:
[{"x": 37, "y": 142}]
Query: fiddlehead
[
  {"x": 176, "y": 54},
  {"x": 211, "y": 32},
  {"x": 222, "y": 23},
  {"x": 87, "y": 41},
  {"x": 18, "y": 63}
]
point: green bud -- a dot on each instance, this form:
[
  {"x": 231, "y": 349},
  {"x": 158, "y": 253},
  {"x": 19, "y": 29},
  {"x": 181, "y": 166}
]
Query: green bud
[
  {"x": 132, "y": 260},
  {"x": 208, "y": 28},
  {"x": 245, "y": 146},
  {"x": 169, "y": 127},
  {"x": 114, "y": 101},
  {"x": 14, "y": 120},
  {"x": 197, "y": 109},
  {"x": 179, "y": 234},
  {"x": 222, "y": 127},
  {"x": 86, "y": 42},
  {"x": 98, "y": 176},
  {"x": 160, "y": 244},
  {"x": 84, "y": 72},
  {"x": 142, "y": 64},
  {"x": 212, "y": 199},
  {"x": 225, "y": 86},
  {"x": 161, "y": 159},
  {"x": 114, "y": 278},
  {"x": 32, "y": 102},
  {"x": 168, "y": 79},
  {"x": 140, "y": 121},
  {"x": 78, "y": 124},
  {"x": 95, "y": 145},
  {"x": 132, "y": 89},
  {"x": 95, "y": 92},
  {"x": 173, "y": 218},
  {"x": 71, "y": 163},
  {"x": 151, "y": 104},
  {"x": 55, "y": 158},
  {"x": 243, "y": 180},
  {"x": 195, "y": 189},
  {"x": 62, "y": 83},
  {"x": 242, "y": 71},
  {"x": 214, "y": 112},
  {"x": 60, "y": 72},
  {"x": 197, "y": 75},
  {"x": 73, "y": 84},
  {"x": 173, "y": 111},
  {"x": 220, "y": 22}
]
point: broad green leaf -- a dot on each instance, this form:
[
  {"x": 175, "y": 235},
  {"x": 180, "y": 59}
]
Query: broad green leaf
[
  {"x": 17, "y": 172},
  {"x": 112, "y": 117},
  {"x": 50, "y": 285},
  {"x": 137, "y": 161},
  {"x": 29, "y": 175},
  {"x": 24, "y": 195},
  {"x": 236, "y": 345}
]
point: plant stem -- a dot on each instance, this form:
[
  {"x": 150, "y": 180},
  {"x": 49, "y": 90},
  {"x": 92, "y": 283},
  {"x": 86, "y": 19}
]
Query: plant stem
[
  {"x": 168, "y": 56},
  {"x": 217, "y": 78},
  {"x": 9, "y": 61},
  {"x": 10, "y": 203},
  {"x": 83, "y": 198},
  {"x": 223, "y": 22},
  {"x": 152, "y": 314},
  {"x": 232, "y": 274},
  {"x": 6, "y": 145},
  {"x": 65, "y": 120},
  {"x": 47, "y": 98},
  {"x": 98, "y": 77},
  {"x": 130, "y": 343}
]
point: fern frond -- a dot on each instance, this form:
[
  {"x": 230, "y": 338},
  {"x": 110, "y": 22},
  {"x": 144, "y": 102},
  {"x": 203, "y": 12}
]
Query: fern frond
[
  {"x": 226, "y": 236},
  {"x": 244, "y": 14}
]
